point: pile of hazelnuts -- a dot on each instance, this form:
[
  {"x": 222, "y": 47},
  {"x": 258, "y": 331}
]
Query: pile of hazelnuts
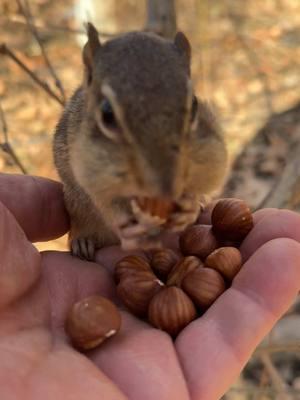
[{"x": 169, "y": 288}]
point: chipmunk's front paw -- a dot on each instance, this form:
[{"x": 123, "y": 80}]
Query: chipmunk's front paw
[
  {"x": 139, "y": 237},
  {"x": 84, "y": 248},
  {"x": 188, "y": 211},
  {"x": 140, "y": 234}
]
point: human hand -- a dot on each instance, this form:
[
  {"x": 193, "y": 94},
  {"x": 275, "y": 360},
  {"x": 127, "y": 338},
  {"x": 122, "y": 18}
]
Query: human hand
[{"x": 36, "y": 291}]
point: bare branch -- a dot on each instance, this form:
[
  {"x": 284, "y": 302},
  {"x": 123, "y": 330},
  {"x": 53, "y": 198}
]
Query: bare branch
[
  {"x": 4, "y": 124},
  {"x": 276, "y": 379},
  {"x": 7, "y": 52},
  {"x": 41, "y": 25},
  {"x": 28, "y": 16},
  {"x": 270, "y": 391},
  {"x": 292, "y": 347},
  {"x": 5, "y": 146},
  {"x": 286, "y": 190}
]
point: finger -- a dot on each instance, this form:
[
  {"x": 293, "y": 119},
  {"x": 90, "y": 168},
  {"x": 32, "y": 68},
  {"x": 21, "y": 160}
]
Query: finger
[
  {"x": 220, "y": 343},
  {"x": 263, "y": 213},
  {"x": 271, "y": 224},
  {"x": 37, "y": 204},
  {"x": 20, "y": 261},
  {"x": 142, "y": 362}
]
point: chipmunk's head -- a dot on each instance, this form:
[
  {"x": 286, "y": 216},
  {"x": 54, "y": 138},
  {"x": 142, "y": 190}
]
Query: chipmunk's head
[{"x": 145, "y": 128}]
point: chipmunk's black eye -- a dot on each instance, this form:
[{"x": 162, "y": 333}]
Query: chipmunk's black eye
[
  {"x": 194, "y": 108},
  {"x": 107, "y": 114}
]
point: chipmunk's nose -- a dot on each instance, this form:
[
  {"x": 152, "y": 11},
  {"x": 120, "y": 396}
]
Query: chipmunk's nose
[
  {"x": 166, "y": 185},
  {"x": 169, "y": 186},
  {"x": 162, "y": 178},
  {"x": 159, "y": 185}
]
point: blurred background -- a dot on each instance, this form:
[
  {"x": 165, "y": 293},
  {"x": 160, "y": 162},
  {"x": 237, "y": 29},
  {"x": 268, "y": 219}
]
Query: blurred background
[{"x": 246, "y": 63}]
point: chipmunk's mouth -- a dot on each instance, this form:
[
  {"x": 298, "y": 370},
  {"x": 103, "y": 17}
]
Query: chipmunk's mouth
[{"x": 156, "y": 206}]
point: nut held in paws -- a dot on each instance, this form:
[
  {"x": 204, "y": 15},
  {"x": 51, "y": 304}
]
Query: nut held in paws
[
  {"x": 155, "y": 206},
  {"x": 91, "y": 321}
]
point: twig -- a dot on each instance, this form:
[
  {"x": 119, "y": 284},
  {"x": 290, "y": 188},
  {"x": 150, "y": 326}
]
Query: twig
[
  {"x": 4, "y": 124},
  {"x": 6, "y": 51},
  {"x": 276, "y": 379},
  {"x": 265, "y": 376},
  {"x": 29, "y": 19},
  {"x": 251, "y": 390},
  {"x": 41, "y": 25},
  {"x": 278, "y": 348},
  {"x": 285, "y": 192},
  {"x": 5, "y": 146},
  {"x": 263, "y": 381}
]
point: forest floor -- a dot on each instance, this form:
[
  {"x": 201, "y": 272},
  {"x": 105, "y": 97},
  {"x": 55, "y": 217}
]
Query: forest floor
[{"x": 246, "y": 62}]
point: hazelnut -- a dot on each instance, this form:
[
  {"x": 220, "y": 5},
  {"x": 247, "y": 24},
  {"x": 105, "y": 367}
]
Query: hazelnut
[
  {"x": 171, "y": 310},
  {"x": 91, "y": 321},
  {"x": 232, "y": 219},
  {"x": 136, "y": 291},
  {"x": 156, "y": 206},
  {"x": 181, "y": 269},
  {"x": 162, "y": 261},
  {"x": 130, "y": 264},
  {"x": 226, "y": 260},
  {"x": 204, "y": 286},
  {"x": 198, "y": 240}
]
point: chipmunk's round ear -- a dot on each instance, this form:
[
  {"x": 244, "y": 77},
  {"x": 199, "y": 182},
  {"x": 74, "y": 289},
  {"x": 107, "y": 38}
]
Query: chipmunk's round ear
[
  {"x": 183, "y": 46},
  {"x": 90, "y": 48}
]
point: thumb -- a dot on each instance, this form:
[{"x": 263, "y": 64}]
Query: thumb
[{"x": 20, "y": 260}]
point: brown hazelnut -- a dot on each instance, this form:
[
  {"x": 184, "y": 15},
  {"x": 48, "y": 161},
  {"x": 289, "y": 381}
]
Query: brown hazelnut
[
  {"x": 198, "y": 240},
  {"x": 171, "y": 310},
  {"x": 162, "y": 261},
  {"x": 130, "y": 264},
  {"x": 91, "y": 321},
  {"x": 136, "y": 291},
  {"x": 204, "y": 286},
  {"x": 156, "y": 206},
  {"x": 226, "y": 260},
  {"x": 182, "y": 268},
  {"x": 232, "y": 219}
]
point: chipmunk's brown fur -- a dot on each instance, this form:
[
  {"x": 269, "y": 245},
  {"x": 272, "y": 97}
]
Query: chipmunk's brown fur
[{"x": 134, "y": 128}]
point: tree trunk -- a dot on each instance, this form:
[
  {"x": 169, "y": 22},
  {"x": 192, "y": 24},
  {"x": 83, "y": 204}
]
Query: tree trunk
[
  {"x": 286, "y": 192},
  {"x": 161, "y": 17},
  {"x": 267, "y": 172}
]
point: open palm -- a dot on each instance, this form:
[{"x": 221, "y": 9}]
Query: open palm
[{"x": 36, "y": 291}]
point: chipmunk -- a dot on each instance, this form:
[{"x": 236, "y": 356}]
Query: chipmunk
[{"x": 135, "y": 128}]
